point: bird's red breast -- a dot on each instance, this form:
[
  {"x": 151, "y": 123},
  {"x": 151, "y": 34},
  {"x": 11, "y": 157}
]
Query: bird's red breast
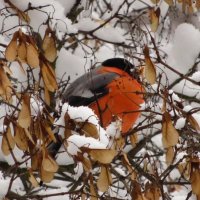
[{"x": 122, "y": 100}]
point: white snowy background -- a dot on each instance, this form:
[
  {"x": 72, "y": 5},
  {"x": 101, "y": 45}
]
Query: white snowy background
[{"x": 181, "y": 47}]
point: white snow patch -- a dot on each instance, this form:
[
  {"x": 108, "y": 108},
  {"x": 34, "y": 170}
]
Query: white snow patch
[
  {"x": 55, "y": 191},
  {"x": 196, "y": 76},
  {"x": 70, "y": 65},
  {"x": 114, "y": 129},
  {"x": 187, "y": 108},
  {"x": 106, "y": 33},
  {"x": 121, "y": 171},
  {"x": 180, "y": 123},
  {"x": 4, "y": 183},
  {"x": 184, "y": 50},
  {"x": 77, "y": 141},
  {"x": 67, "y": 4}
]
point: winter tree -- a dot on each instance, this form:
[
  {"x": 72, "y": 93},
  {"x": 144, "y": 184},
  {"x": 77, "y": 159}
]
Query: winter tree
[{"x": 45, "y": 46}]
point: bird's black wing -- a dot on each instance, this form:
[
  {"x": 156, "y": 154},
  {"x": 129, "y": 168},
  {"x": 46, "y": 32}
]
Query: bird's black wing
[{"x": 88, "y": 88}]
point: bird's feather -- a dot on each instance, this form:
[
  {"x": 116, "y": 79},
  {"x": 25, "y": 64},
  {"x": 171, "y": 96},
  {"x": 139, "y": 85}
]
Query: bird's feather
[{"x": 88, "y": 88}]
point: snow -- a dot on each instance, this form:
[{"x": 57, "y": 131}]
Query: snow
[
  {"x": 80, "y": 114},
  {"x": 174, "y": 96},
  {"x": 182, "y": 55},
  {"x": 114, "y": 129},
  {"x": 68, "y": 64},
  {"x": 4, "y": 183},
  {"x": 180, "y": 123},
  {"x": 87, "y": 24},
  {"x": 196, "y": 76},
  {"x": 75, "y": 142},
  {"x": 182, "y": 193},
  {"x": 141, "y": 4},
  {"x": 109, "y": 34},
  {"x": 120, "y": 171},
  {"x": 185, "y": 53},
  {"x": 67, "y": 4},
  {"x": 54, "y": 193},
  {"x": 187, "y": 108}
]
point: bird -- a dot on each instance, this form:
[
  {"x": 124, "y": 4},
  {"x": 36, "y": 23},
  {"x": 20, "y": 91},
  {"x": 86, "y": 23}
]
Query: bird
[{"x": 111, "y": 90}]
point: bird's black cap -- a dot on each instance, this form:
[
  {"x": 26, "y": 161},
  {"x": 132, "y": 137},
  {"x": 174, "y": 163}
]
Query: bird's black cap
[{"x": 119, "y": 63}]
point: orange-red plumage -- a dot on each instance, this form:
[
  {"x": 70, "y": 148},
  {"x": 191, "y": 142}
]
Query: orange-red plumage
[{"x": 122, "y": 100}]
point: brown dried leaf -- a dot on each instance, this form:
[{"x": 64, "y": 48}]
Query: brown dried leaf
[
  {"x": 48, "y": 164},
  {"x": 132, "y": 172},
  {"x": 185, "y": 169},
  {"x": 5, "y": 85},
  {"x": 33, "y": 180},
  {"x": 11, "y": 51},
  {"x": 93, "y": 195},
  {"x": 36, "y": 159},
  {"x": 89, "y": 129},
  {"x": 8, "y": 142},
  {"x": 49, "y": 77},
  {"x": 154, "y": 19},
  {"x": 195, "y": 180},
  {"x": 49, "y": 46},
  {"x": 21, "y": 52},
  {"x": 155, "y": 1},
  {"x": 32, "y": 56},
  {"x": 152, "y": 192},
  {"x": 7, "y": 69},
  {"x": 170, "y": 135},
  {"x": 21, "y": 66},
  {"x": 87, "y": 165},
  {"x": 46, "y": 176},
  {"x": 23, "y": 16},
  {"x": 133, "y": 175},
  {"x": 105, "y": 179},
  {"x": 119, "y": 143},
  {"x": 49, "y": 131},
  {"x": 169, "y": 155},
  {"x": 67, "y": 133},
  {"x": 170, "y": 2},
  {"x": 83, "y": 196},
  {"x": 104, "y": 156},
  {"x": 28, "y": 134},
  {"x": 24, "y": 118},
  {"x": 198, "y": 4},
  {"x": 134, "y": 139},
  {"x": 150, "y": 70},
  {"x": 47, "y": 97},
  {"x": 164, "y": 105},
  {"x": 136, "y": 192},
  {"x": 126, "y": 159},
  {"x": 193, "y": 123},
  {"x": 34, "y": 162},
  {"x": 20, "y": 138}
]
